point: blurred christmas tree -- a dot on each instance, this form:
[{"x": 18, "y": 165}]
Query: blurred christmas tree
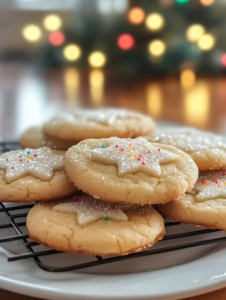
[{"x": 154, "y": 38}]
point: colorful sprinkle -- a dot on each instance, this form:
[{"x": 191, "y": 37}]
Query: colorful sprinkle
[
  {"x": 225, "y": 183},
  {"x": 143, "y": 163},
  {"x": 223, "y": 173},
  {"x": 28, "y": 152},
  {"x": 21, "y": 160},
  {"x": 112, "y": 143},
  {"x": 214, "y": 180},
  {"x": 27, "y": 161},
  {"x": 103, "y": 146},
  {"x": 129, "y": 154},
  {"x": 28, "y": 157},
  {"x": 32, "y": 157},
  {"x": 121, "y": 149},
  {"x": 149, "y": 152},
  {"x": 204, "y": 182},
  {"x": 35, "y": 155},
  {"x": 106, "y": 218},
  {"x": 138, "y": 158},
  {"x": 133, "y": 148},
  {"x": 130, "y": 145},
  {"x": 158, "y": 149},
  {"x": 20, "y": 156},
  {"x": 218, "y": 185},
  {"x": 12, "y": 168},
  {"x": 135, "y": 156},
  {"x": 140, "y": 155},
  {"x": 7, "y": 159},
  {"x": 116, "y": 146}
]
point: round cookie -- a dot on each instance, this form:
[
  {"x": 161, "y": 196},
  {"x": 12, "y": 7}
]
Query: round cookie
[
  {"x": 91, "y": 226},
  {"x": 33, "y": 175},
  {"x": 98, "y": 123},
  {"x": 204, "y": 205},
  {"x": 133, "y": 171},
  {"x": 34, "y": 138},
  {"x": 206, "y": 149}
]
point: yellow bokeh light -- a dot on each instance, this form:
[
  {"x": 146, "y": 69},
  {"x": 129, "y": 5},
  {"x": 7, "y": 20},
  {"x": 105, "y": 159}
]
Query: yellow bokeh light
[
  {"x": 96, "y": 81},
  {"x": 187, "y": 79},
  {"x": 72, "y": 52},
  {"x": 136, "y": 15},
  {"x": 154, "y": 100},
  {"x": 31, "y": 33},
  {"x": 72, "y": 82},
  {"x": 97, "y": 59},
  {"x": 207, "y": 2},
  {"x": 197, "y": 105},
  {"x": 206, "y": 42},
  {"x": 154, "y": 22},
  {"x": 52, "y": 22},
  {"x": 194, "y": 32},
  {"x": 157, "y": 48}
]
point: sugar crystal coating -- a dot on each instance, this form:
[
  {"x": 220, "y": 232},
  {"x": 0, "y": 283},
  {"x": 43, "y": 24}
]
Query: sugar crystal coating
[
  {"x": 210, "y": 185},
  {"x": 89, "y": 209},
  {"x": 188, "y": 139},
  {"x": 39, "y": 163},
  {"x": 135, "y": 156}
]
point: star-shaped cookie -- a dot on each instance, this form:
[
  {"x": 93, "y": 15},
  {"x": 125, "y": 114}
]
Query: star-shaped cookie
[
  {"x": 210, "y": 185},
  {"x": 133, "y": 156},
  {"x": 39, "y": 163},
  {"x": 89, "y": 210}
]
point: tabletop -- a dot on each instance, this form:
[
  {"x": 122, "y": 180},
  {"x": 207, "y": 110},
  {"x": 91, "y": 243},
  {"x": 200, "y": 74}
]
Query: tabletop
[{"x": 28, "y": 97}]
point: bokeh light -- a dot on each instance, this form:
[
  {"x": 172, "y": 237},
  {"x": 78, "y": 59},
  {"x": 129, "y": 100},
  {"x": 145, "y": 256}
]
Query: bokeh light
[
  {"x": 96, "y": 81},
  {"x": 223, "y": 60},
  {"x": 206, "y": 42},
  {"x": 52, "y": 22},
  {"x": 72, "y": 83},
  {"x": 125, "y": 41},
  {"x": 136, "y": 15},
  {"x": 97, "y": 59},
  {"x": 56, "y": 38},
  {"x": 154, "y": 100},
  {"x": 154, "y": 22},
  {"x": 182, "y": 1},
  {"x": 206, "y": 2},
  {"x": 72, "y": 52},
  {"x": 157, "y": 48},
  {"x": 187, "y": 79},
  {"x": 167, "y": 2},
  {"x": 31, "y": 33},
  {"x": 194, "y": 32}
]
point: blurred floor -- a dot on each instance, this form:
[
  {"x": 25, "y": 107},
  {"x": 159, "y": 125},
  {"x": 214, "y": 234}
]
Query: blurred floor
[{"x": 29, "y": 97}]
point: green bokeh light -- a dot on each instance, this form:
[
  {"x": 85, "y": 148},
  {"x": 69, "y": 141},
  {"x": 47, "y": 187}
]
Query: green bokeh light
[{"x": 182, "y": 1}]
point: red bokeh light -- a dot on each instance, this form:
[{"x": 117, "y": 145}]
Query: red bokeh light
[
  {"x": 56, "y": 38},
  {"x": 125, "y": 41},
  {"x": 223, "y": 60}
]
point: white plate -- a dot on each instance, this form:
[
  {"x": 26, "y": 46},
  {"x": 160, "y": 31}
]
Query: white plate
[{"x": 172, "y": 275}]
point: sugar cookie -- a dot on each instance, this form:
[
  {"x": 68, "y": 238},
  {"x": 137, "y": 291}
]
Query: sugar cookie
[
  {"x": 34, "y": 138},
  {"x": 98, "y": 123},
  {"x": 32, "y": 175},
  {"x": 206, "y": 149},
  {"x": 204, "y": 205},
  {"x": 95, "y": 227},
  {"x": 133, "y": 171}
]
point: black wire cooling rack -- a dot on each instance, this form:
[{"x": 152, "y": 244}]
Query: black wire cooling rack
[{"x": 15, "y": 219}]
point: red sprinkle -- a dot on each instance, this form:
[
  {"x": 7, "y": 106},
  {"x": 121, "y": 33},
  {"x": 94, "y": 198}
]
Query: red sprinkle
[
  {"x": 12, "y": 168},
  {"x": 20, "y": 156},
  {"x": 203, "y": 182},
  {"x": 223, "y": 173},
  {"x": 35, "y": 155},
  {"x": 7, "y": 159},
  {"x": 116, "y": 146},
  {"x": 149, "y": 152},
  {"x": 143, "y": 163},
  {"x": 138, "y": 159},
  {"x": 214, "y": 180},
  {"x": 21, "y": 160},
  {"x": 121, "y": 149},
  {"x": 27, "y": 161},
  {"x": 158, "y": 149},
  {"x": 140, "y": 155}
]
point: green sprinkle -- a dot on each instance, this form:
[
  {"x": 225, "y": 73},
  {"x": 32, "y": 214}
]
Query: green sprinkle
[
  {"x": 106, "y": 218},
  {"x": 28, "y": 152},
  {"x": 102, "y": 146}
]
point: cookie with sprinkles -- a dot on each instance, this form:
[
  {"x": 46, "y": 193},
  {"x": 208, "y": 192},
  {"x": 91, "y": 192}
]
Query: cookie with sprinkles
[
  {"x": 133, "y": 171},
  {"x": 208, "y": 150},
  {"x": 34, "y": 138},
  {"x": 204, "y": 205},
  {"x": 84, "y": 224},
  {"x": 84, "y": 124},
  {"x": 33, "y": 175}
]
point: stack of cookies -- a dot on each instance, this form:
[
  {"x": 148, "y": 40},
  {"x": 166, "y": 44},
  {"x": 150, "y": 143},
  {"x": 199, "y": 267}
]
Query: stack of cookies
[{"x": 97, "y": 197}]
